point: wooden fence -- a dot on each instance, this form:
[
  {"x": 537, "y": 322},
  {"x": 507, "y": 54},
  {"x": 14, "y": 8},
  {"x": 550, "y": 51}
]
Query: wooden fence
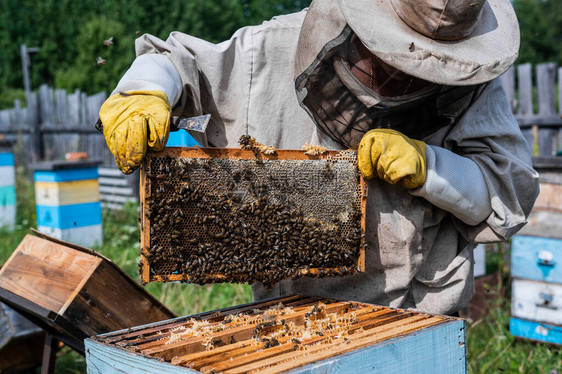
[
  {"x": 534, "y": 105},
  {"x": 55, "y": 122}
]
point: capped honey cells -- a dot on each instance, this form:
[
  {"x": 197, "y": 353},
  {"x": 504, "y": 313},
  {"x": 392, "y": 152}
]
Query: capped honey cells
[{"x": 229, "y": 215}]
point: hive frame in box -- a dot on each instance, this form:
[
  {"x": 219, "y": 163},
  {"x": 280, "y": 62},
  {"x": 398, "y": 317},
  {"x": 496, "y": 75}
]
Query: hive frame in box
[
  {"x": 379, "y": 340},
  {"x": 231, "y": 153}
]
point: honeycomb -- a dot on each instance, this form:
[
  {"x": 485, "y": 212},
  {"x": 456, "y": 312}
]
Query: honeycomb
[{"x": 239, "y": 217}]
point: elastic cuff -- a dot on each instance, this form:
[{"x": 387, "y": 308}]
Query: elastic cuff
[
  {"x": 152, "y": 72},
  {"x": 455, "y": 184}
]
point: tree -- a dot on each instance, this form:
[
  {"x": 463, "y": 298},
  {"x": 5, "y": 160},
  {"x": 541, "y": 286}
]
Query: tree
[
  {"x": 70, "y": 34},
  {"x": 538, "y": 43},
  {"x": 104, "y": 52},
  {"x": 552, "y": 10}
]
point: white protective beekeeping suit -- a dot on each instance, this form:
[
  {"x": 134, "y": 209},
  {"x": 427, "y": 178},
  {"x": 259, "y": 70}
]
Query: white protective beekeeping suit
[{"x": 480, "y": 185}]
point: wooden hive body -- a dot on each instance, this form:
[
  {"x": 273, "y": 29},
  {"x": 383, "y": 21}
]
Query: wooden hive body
[
  {"x": 7, "y": 187},
  {"x": 21, "y": 342},
  {"x": 361, "y": 338},
  {"x": 73, "y": 292},
  {"x": 68, "y": 201}
]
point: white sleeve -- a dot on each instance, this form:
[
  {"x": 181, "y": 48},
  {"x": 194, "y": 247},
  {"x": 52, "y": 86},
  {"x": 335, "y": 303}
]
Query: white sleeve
[
  {"x": 456, "y": 184},
  {"x": 152, "y": 72}
]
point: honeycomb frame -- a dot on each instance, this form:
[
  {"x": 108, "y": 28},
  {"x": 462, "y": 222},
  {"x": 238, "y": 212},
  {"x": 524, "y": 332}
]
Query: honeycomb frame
[{"x": 196, "y": 157}]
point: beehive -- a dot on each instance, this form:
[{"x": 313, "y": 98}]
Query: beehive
[
  {"x": 212, "y": 215},
  {"x": 7, "y": 186},
  {"x": 536, "y": 290},
  {"x": 295, "y": 334},
  {"x": 73, "y": 292},
  {"x": 21, "y": 342},
  {"x": 68, "y": 201}
]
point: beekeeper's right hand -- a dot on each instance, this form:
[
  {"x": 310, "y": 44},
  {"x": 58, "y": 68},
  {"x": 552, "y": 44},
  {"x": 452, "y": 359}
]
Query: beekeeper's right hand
[
  {"x": 133, "y": 121},
  {"x": 136, "y": 117}
]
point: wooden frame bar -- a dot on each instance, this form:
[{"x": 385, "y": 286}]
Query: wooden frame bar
[
  {"x": 374, "y": 338},
  {"x": 230, "y": 153}
]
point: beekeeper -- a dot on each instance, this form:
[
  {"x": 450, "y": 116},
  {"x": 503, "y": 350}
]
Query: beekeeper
[{"x": 411, "y": 83}]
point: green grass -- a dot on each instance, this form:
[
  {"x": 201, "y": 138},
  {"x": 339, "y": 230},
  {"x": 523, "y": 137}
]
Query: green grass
[{"x": 491, "y": 347}]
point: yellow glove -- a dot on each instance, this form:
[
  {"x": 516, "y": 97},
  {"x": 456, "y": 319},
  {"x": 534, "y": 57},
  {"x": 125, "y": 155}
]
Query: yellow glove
[
  {"x": 393, "y": 157},
  {"x": 133, "y": 120}
]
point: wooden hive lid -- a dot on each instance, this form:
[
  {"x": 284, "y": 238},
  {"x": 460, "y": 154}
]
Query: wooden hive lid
[
  {"x": 73, "y": 292},
  {"x": 47, "y": 273}
]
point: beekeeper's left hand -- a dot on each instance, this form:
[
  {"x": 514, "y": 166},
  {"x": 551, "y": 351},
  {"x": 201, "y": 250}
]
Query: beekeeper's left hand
[{"x": 393, "y": 157}]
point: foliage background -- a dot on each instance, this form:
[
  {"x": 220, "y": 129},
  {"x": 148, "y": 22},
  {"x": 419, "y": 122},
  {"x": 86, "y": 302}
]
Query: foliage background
[{"x": 70, "y": 34}]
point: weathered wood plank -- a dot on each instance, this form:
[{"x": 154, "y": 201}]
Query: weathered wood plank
[
  {"x": 32, "y": 115},
  {"x": 550, "y": 197},
  {"x": 46, "y": 104},
  {"x": 508, "y": 83},
  {"x": 546, "y": 78},
  {"x": 525, "y": 85},
  {"x": 74, "y": 108},
  {"x": 94, "y": 104},
  {"x": 61, "y": 107},
  {"x": 49, "y": 354},
  {"x": 548, "y": 141},
  {"x": 46, "y": 273},
  {"x": 100, "y": 306},
  {"x": 83, "y": 108},
  {"x": 546, "y": 224},
  {"x": 21, "y": 342}
]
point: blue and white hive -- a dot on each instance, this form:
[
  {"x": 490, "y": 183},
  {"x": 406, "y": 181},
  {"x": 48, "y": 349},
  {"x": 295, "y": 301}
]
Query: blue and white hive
[
  {"x": 7, "y": 186},
  {"x": 536, "y": 262},
  {"x": 295, "y": 334},
  {"x": 68, "y": 201}
]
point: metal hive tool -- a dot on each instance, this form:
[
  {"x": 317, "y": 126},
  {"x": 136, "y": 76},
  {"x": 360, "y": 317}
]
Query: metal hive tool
[{"x": 231, "y": 215}]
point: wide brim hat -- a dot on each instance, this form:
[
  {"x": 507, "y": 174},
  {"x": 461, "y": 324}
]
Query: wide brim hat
[
  {"x": 397, "y": 33},
  {"x": 402, "y": 34}
]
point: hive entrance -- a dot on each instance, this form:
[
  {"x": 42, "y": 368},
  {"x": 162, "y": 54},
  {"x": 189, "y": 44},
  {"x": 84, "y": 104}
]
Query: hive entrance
[{"x": 212, "y": 215}]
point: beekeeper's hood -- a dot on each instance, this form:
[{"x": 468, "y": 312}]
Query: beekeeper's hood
[
  {"x": 456, "y": 44},
  {"x": 449, "y": 42}
]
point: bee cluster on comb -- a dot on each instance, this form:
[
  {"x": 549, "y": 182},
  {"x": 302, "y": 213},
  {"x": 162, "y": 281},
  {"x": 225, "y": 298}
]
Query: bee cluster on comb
[{"x": 229, "y": 215}]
